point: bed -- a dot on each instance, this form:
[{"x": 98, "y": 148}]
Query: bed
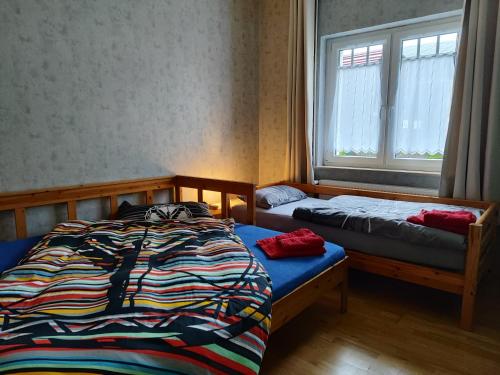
[
  {"x": 449, "y": 256},
  {"x": 63, "y": 308},
  {"x": 448, "y": 262}
]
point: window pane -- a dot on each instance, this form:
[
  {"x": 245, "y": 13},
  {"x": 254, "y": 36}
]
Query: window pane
[
  {"x": 345, "y": 57},
  {"x": 357, "y": 104},
  {"x": 375, "y": 54},
  {"x": 423, "y": 100},
  {"x": 360, "y": 56},
  {"x": 448, "y": 43},
  {"x": 428, "y": 46},
  {"x": 410, "y": 48}
]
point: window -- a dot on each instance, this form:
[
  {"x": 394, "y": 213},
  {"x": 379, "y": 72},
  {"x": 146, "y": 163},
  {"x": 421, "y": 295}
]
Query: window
[{"x": 387, "y": 96}]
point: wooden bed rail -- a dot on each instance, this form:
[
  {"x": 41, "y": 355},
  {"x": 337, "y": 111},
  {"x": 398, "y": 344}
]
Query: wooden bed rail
[
  {"x": 70, "y": 195},
  {"x": 338, "y": 190},
  {"x": 260, "y": 186},
  {"x": 478, "y": 258},
  {"x": 223, "y": 187}
]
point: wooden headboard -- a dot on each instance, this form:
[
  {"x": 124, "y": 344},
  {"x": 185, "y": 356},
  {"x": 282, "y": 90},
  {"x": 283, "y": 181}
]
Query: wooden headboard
[
  {"x": 70, "y": 195},
  {"x": 224, "y": 187}
]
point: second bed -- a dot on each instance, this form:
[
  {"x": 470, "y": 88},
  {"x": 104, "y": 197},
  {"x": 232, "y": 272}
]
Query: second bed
[{"x": 281, "y": 218}]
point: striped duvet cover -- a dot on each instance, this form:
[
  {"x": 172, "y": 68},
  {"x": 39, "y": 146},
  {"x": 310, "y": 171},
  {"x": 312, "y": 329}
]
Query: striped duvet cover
[{"x": 181, "y": 297}]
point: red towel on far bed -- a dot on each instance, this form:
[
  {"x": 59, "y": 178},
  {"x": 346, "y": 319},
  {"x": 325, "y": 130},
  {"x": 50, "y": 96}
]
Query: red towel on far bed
[
  {"x": 451, "y": 221},
  {"x": 301, "y": 242}
]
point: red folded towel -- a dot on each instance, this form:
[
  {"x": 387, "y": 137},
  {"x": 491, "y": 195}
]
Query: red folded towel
[
  {"x": 451, "y": 221},
  {"x": 300, "y": 239},
  {"x": 294, "y": 244},
  {"x": 301, "y": 242}
]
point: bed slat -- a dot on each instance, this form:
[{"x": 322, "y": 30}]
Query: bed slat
[
  {"x": 178, "y": 194},
  {"x": 71, "y": 208},
  {"x": 21, "y": 230},
  {"x": 149, "y": 197},
  {"x": 251, "y": 213},
  {"x": 224, "y": 205},
  {"x": 113, "y": 206}
]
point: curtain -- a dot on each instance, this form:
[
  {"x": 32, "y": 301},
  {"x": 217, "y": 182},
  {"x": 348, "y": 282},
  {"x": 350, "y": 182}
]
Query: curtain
[
  {"x": 423, "y": 105},
  {"x": 300, "y": 91},
  {"x": 355, "y": 116},
  {"x": 471, "y": 165}
]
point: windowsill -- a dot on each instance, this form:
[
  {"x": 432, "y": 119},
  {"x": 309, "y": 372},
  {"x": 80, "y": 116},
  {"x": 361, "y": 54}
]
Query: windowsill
[
  {"x": 433, "y": 173},
  {"x": 417, "y": 180}
]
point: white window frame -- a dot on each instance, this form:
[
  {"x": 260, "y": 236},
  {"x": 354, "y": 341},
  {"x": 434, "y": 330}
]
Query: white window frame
[
  {"x": 334, "y": 46},
  {"x": 392, "y": 34},
  {"x": 414, "y": 31}
]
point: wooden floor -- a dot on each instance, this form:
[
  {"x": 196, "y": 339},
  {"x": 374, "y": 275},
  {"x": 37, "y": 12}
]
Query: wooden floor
[{"x": 391, "y": 327}]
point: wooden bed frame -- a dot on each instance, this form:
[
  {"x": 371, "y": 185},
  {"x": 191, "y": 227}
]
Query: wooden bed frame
[
  {"x": 283, "y": 310},
  {"x": 481, "y": 237}
]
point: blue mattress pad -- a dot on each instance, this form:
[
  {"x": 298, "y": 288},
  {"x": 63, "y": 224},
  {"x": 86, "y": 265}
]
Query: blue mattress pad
[{"x": 288, "y": 273}]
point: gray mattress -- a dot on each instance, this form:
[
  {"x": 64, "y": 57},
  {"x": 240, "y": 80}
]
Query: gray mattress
[
  {"x": 384, "y": 217},
  {"x": 280, "y": 218}
]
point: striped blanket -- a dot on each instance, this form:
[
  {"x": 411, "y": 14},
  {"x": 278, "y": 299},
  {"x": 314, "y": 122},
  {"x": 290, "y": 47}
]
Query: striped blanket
[{"x": 128, "y": 297}]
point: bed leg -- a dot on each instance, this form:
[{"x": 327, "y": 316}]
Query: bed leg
[
  {"x": 343, "y": 294},
  {"x": 471, "y": 276},
  {"x": 467, "y": 314}
]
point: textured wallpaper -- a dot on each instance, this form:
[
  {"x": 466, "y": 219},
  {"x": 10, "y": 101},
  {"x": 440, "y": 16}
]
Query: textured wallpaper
[
  {"x": 104, "y": 90},
  {"x": 115, "y": 89},
  {"x": 273, "y": 39}
]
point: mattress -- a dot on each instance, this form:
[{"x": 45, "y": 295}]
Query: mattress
[
  {"x": 13, "y": 251},
  {"x": 134, "y": 297},
  {"x": 287, "y": 273},
  {"x": 280, "y": 218}
]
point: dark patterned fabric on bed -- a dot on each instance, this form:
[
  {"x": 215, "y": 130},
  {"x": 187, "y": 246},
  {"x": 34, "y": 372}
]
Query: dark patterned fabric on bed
[
  {"x": 164, "y": 211},
  {"x": 136, "y": 297}
]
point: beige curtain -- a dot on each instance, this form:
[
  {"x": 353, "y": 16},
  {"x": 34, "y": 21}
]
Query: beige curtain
[
  {"x": 300, "y": 90},
  {"x": 471, "y": 165}
]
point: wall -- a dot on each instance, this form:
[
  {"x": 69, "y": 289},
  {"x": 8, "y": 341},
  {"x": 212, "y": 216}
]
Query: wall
[
  {"x": 96, "y": 91},
  {"x": 102, "y": 90},
  {"x": 273, "y": 63}
]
